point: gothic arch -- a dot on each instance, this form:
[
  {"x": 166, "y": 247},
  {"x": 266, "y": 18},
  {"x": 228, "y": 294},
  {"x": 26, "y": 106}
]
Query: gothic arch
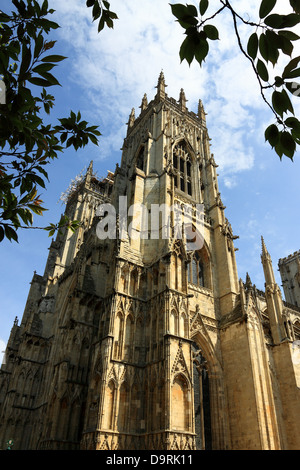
[
  {"x": 140, "y": 158},
  {"x": 183, "y": 163},
  {"x": 109, "y": 405},
  {"x": 200, "y": 268},
  {"x": 216, "y": 410},
  {"x": 181, "y": 403}
]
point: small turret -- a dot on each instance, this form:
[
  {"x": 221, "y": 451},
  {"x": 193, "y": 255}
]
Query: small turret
[
  {"x": 144, "y": 104},
  {"x": 161, "y": 87},
  {"x": 273, "y": 298},
  {"x": 267, "y": 264},
  {"x": 201, "y": 113}
]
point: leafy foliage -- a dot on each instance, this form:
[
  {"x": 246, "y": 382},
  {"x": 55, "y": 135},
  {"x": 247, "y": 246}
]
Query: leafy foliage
[
  {"x": 271, "y": 39},
  {"x": 27, "y": 145}
]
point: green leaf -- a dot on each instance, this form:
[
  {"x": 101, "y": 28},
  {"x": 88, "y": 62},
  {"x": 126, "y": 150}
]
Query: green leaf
[
  {"x": 273, "y": 46},
  {"x": 272, "y": 135},
  {"x": 186, "y": 15},
  {"x": 262, "y": 70},
  {"x": 266, "y": 7},
  {"x": 39, "y": 42},
  {"x": 288, "y": 144},
  {"x": 211, "y": 32},
  {"x": 290, "y": 66},
  {"x": 295, "y": 5},
  {"x": 192, "y": 10},
  {"x": 288, "y": 103},
  {"x": 252, "y": 47},
  {"x": 203, "y": 6},
  {"x": 281, "y": 102},
  {"x": 264, "y": 47},
  {"x": 294, "y": 124},
  {"x": 53, "y": 58},
  {"x": 10, "y": 233},
  {"x": 274, "y": 21},
  {"x": 286, "y": 46},
  {"x": 43, "y": 68},
  {"x": 187, "y": 50},
  {"x": 201, "y": 51},
  {"x": 289, "y": 35},
  {"x": 26, "y": 61},
  {"x": 51, "y": 79},
  {"x": 294, "y": 73},
  {"x": 179, "y": 10},
  {"x": 291, "y": 20},
  {"x": 39, "y": 82}
]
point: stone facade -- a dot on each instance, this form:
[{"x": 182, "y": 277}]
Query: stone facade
[
  {"x": 139, "y": 342},
  {"x": 289, "y": 269}
]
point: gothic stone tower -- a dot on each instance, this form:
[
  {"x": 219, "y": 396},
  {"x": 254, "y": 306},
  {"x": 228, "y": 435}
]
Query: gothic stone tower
[{"x": 140, "y": 342}]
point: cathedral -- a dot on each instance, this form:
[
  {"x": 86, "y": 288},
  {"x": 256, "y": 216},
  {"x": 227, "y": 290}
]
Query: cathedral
[{"x": 151, "y": 341}]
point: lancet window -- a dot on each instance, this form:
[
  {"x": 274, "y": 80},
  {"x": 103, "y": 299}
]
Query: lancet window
[
  {"x": 196, "y": 271},
  {"x": 183, "y": 168}
]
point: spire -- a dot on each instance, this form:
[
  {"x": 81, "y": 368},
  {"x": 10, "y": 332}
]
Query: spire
[
  {"x": 89, "y": 174},
  {"x": 273, "y": 297},
  {"x": 90, "y": 168},
  {"x": 267, "y": 264},
  {"x": 182, "y": 100},
  {"x": 161, "y": 87},
  {"x": 264, "y": 248},
  {"x": 248, "y": 282}
]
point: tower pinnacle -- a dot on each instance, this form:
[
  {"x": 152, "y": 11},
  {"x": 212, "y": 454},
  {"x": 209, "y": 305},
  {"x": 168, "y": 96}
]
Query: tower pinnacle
[
  {"x": 161, "y": 87},
  {"x": 182, "y": 100}
]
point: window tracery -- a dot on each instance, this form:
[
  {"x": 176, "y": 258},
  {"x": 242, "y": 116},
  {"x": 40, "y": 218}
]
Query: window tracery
[{"x": 183, "y": 168}]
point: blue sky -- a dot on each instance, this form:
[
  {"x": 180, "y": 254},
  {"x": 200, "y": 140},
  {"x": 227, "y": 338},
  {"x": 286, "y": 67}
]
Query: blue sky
[{"x": 107, "y": 74}]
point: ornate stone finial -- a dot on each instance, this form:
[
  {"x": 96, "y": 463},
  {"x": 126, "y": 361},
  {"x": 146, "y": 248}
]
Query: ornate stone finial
[
  {"x": 182, "y": 100},
  {"x": 248, "y": 281},
  {"x": 161, "y": 86},
  {"x": 201, "y": 112},
  {"x": 131, "y": 121},
  {"x": 144, "y": 104}
]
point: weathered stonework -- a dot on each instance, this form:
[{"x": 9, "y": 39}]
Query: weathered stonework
[{"x": 141, "y": 343}]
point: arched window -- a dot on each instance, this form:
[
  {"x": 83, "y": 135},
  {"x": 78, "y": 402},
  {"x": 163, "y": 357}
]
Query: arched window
[
  {"x": 180, "y": 404},
  {"x": 109, "y": 406},
  {"x": 183, "y": 168},
  {"x": 201, "y": 401},
  {"x": 196, "y": 271}
]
